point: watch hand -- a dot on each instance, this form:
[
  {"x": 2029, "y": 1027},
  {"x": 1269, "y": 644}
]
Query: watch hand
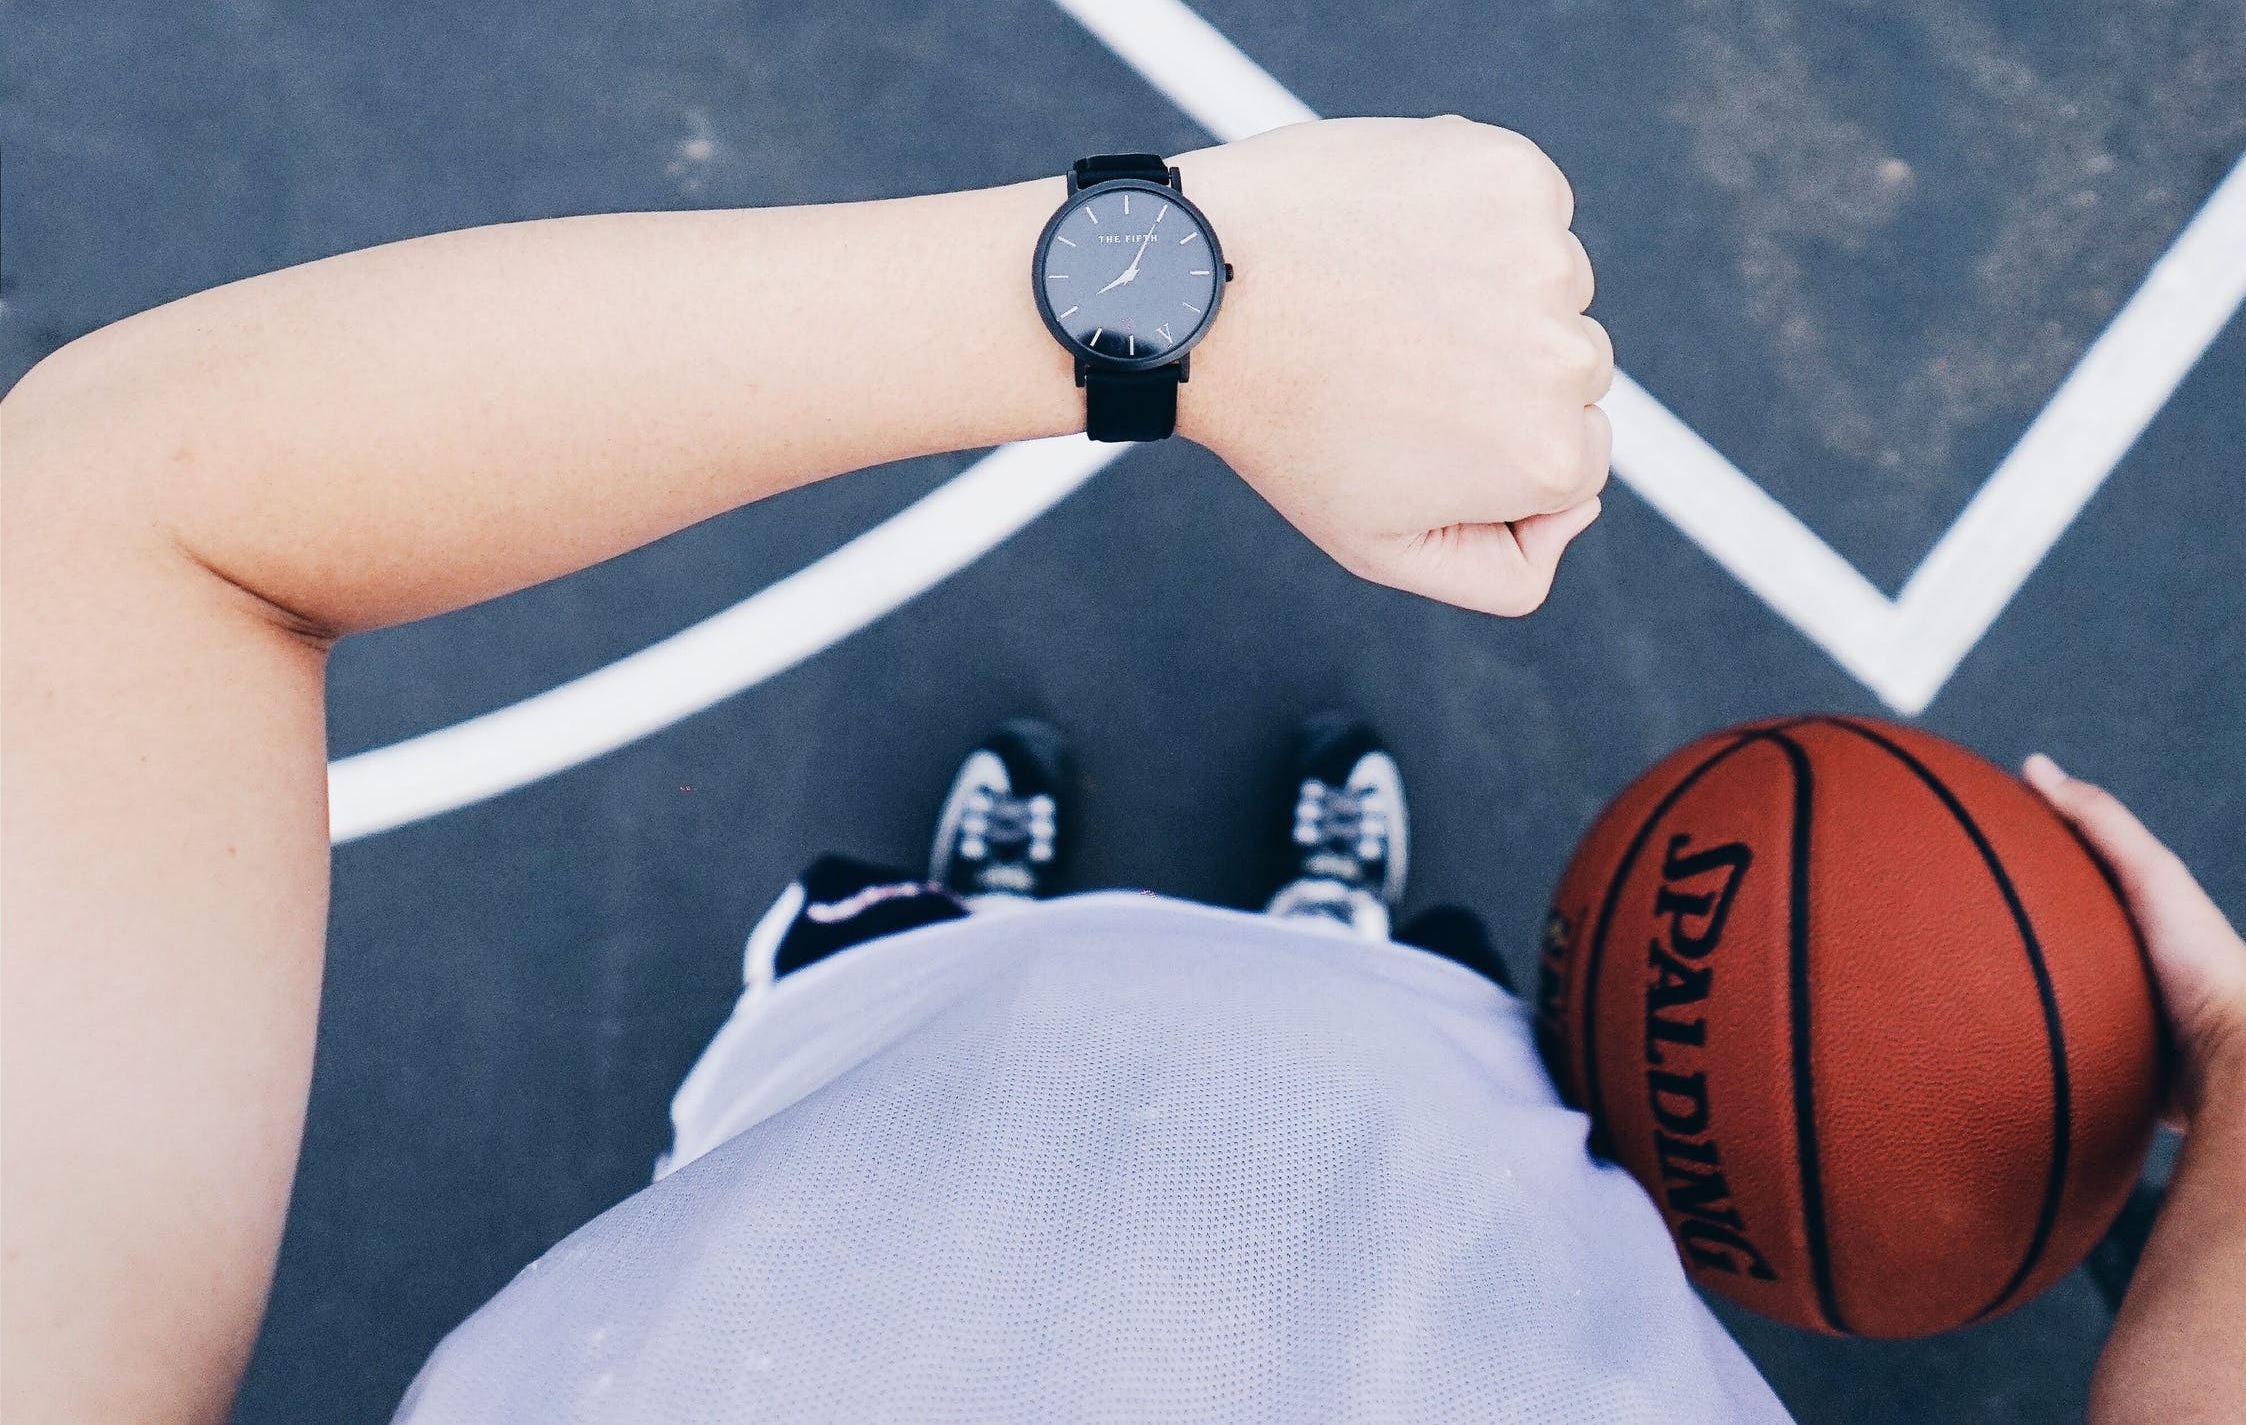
[{"x": 1133, "y": 270}]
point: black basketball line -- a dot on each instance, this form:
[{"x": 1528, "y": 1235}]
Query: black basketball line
[
  {"x": 1594, "y": 1101},
  {"x": 1808, "y": 1165},
  {"x": 2055, "y": 1183}
]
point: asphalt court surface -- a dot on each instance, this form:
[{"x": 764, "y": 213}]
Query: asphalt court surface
[{"x": 1854, "y": 246}]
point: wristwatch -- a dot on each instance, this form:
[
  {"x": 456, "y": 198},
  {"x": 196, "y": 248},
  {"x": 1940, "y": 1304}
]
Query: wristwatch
[{"x": 1128, "y": 276}]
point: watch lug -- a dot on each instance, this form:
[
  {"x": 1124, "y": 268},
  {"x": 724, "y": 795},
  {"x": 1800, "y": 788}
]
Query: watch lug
[
  {"x": 1185, "y": 369},
  {"x": 1080, "y": 370}
]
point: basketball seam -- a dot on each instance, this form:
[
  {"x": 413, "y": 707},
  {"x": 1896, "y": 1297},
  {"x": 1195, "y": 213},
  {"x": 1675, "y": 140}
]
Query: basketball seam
[
  {"x": 1805, "y": 1131},
  {"x": 2054, "y": 1189},
  {"x": 1808, "y": 1161}
]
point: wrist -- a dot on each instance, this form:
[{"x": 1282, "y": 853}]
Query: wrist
[
  {"x": 1026, "y": 383},
  {"x": 1223, "y": 364}
]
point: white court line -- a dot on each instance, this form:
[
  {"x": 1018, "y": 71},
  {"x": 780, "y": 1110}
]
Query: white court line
[
  {"x": 764, "y": 634},
  {"x": 1193, "y": 65},
  {"x": 1903, "y": 649}
]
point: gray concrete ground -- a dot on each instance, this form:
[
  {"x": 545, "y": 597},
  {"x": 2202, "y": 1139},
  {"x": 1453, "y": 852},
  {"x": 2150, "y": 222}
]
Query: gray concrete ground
[{"x": 1855, "y": 246}]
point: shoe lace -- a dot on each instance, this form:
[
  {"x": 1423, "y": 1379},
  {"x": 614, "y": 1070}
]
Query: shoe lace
[
  {"x": 1343, "y": 832},
  {"x": 1007, "y": 836}
]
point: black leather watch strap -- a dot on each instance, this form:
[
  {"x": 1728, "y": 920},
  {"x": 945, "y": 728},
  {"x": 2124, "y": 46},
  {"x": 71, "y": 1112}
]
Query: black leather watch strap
[
  {"x": 1128, "y": 405},
  {"x": 1132, "y": 405},
  {"x": 1101, "y": 167}
]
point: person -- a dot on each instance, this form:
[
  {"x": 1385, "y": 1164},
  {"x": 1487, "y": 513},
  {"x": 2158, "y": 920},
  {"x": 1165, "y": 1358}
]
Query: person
[{"x": 1102, "y": 1155}]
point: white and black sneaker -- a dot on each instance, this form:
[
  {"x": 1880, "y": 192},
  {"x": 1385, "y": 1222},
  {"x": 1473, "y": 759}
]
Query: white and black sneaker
[
  {"x": 1000, "y": 842},
  {"x": 1348, "y": 838}
]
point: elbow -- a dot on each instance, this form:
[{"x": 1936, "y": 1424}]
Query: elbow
[{"x": 101, "y": 468}]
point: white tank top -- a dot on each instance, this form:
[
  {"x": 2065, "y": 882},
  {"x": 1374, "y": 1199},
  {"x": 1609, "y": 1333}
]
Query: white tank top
[{"x": 1112, "y": 1158}]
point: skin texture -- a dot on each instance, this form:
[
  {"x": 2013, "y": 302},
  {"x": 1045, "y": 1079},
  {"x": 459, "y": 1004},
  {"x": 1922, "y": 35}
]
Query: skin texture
[
  {"x": 196, "y": 502},
  {"x": 2177, "y": 1354}
]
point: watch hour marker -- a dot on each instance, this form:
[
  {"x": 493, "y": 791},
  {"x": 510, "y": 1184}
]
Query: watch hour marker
[
  {"x": 1189, "y": 307},
  {"x": 1093, "y": 216},
  {"x": 1163, "y": 331},
  {"x": 1126, "y": 205},
  {"x": 1067, "y": 314},
  {"x": 1093, "y": 341},
  {"x": 1198, "y": 272},
  {"x": 1056, "y": 276},
  {"x": 1187, "y": 238},
  {"x": 1133, "y": 346},
  {"x": 1057, "y": 237}
]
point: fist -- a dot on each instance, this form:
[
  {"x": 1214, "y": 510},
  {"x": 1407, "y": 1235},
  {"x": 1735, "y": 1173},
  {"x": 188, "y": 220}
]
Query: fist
[{"x": 1402, "y": 366}]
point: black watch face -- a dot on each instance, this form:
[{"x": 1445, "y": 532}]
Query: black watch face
[{"x": 1129, "y": 274}]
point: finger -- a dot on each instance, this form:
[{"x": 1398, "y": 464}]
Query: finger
[
  {"x": 2197, "y": 957},
  {"x": 1564, "y": 190},
  {"x": 1565, "y": 465},
  {"x": 1602, "y": 370},
  {"x": 2180, "y": 922},
  {"x": 1584, "y": 285},
  {"x": 1485, "y": 575},
  {"x": 1594, "y": 460},
  {"x": 1473, "y": 566},
  {"x": 1544, "y": 538},
  {"x": 1598, "y": 452},
  {"x": 2142, "y": 863},
  {"x": 1502, "y": 569}
]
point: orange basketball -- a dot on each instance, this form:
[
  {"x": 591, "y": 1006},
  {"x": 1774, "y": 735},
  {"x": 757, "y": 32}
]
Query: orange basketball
[{"x": 1864, "y": 1017}]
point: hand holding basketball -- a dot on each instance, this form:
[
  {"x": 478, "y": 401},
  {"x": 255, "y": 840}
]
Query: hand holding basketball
[
  {"x": 1868, "y": 1023},
  {"x": 1403, "y": 368},
  {"x": 2197, "y": 957}
]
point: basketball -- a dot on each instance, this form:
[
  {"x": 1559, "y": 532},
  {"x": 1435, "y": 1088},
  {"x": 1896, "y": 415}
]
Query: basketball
[{"x": 1862, "y": 1015}]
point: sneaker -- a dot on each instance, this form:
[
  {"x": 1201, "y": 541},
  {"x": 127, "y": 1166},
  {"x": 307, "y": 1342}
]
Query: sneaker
[
  {"x": 999, "y": 841},
  {"x": 1347, "y": 834}
]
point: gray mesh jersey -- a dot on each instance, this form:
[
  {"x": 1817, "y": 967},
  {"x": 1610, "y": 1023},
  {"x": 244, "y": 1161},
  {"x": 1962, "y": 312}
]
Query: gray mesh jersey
[{"x": 1112, "y": 1158}]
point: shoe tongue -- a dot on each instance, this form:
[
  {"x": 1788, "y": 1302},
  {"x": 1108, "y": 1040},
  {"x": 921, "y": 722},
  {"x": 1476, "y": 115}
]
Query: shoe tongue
[{"x": 1006, "y": 878}]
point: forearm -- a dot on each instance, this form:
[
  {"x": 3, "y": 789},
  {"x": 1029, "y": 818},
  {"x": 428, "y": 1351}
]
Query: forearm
[
  {"x": 198, "y": 499},
  {"x": 396, "y": 432},
  {"x": 2178, "y": 1349}
]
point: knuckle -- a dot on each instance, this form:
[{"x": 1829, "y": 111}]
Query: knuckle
[
  {"x": 1517, "y": 146},
  {"x": 1463, "y": 141},
  {"x": 1576, "y": 349},
  {"x": 1502, "y": 152},
  {"x": 1599, "y": 458},
  {"x": 1556, "y": 469},
  {"x": 1583, "y": 278},
  {"x": 1551, "y": 263},
  {"x": 1533, "y": 168},
  {"x": 1563, "y": 192},
  {"x": 1602, "y": 344}
]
